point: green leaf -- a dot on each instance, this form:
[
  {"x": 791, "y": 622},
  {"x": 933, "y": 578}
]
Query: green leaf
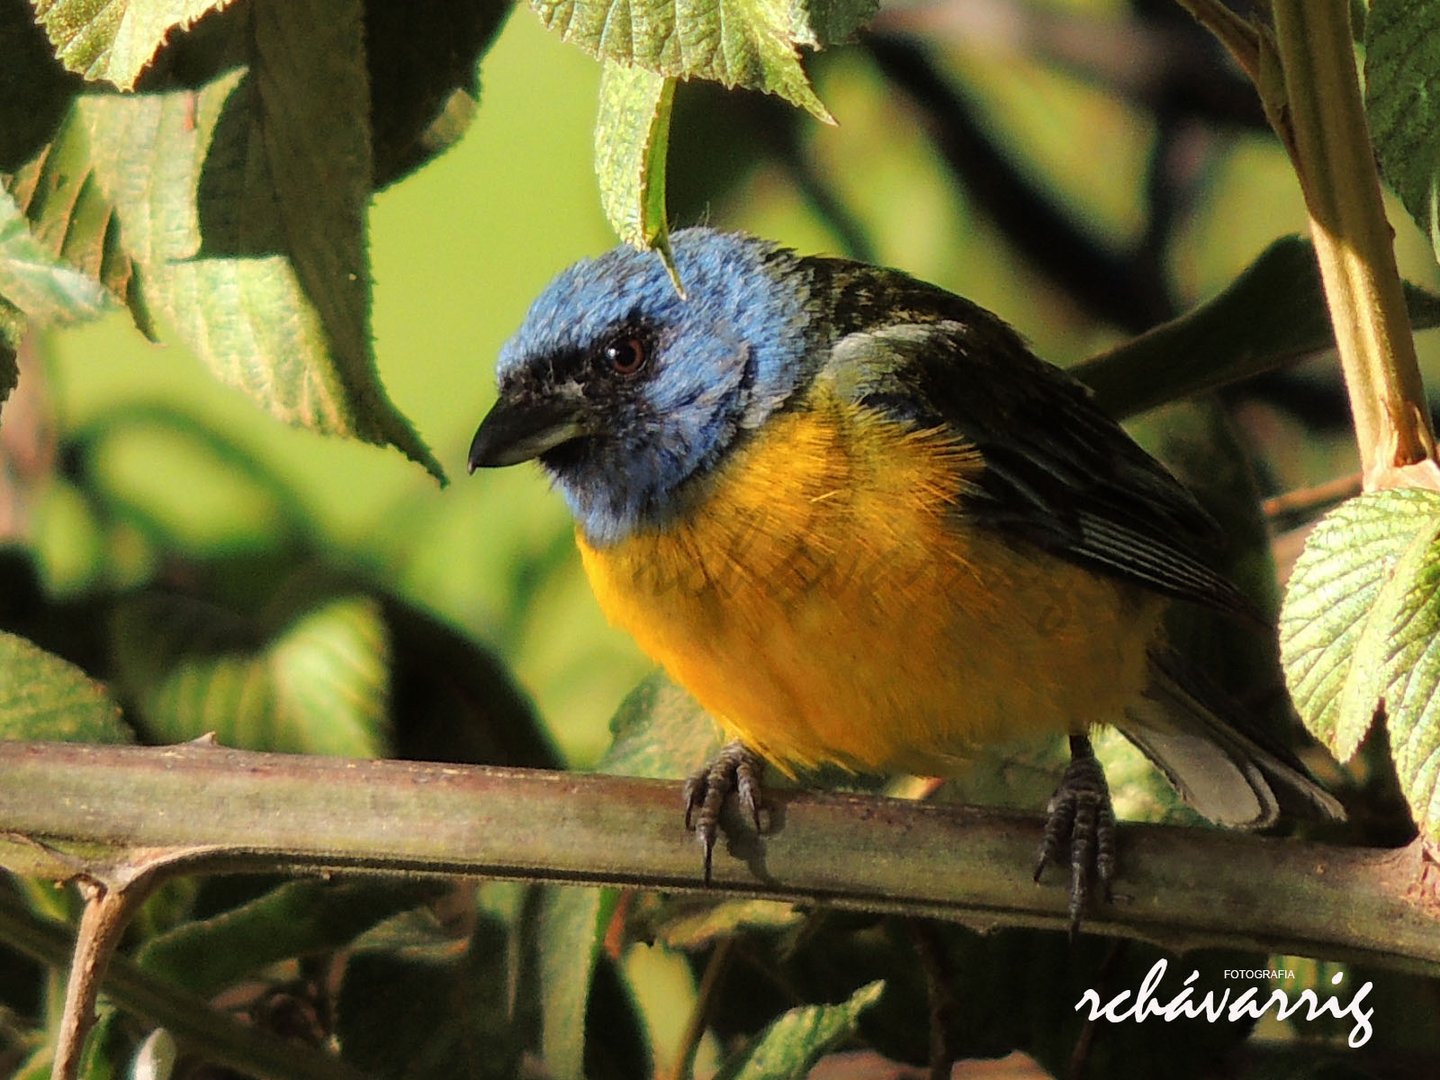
[
  {"x": 35, "y": 91},
  {"x": 690, "y": 921},
  {"x": 790, "y": 1047},
  {"x": 420, "y": 1009},
  {"x": 73, "y": 221},
  {"x": 244, "y": 203},
  {"x": 12, "y": 325},
  {"x": 1402, "y": 101},
  {"x": 1409, "y": 656},
  {"x": 659, "y": 731},
  {"x": 1358, "y": 633},
  {"x": 41, "y": 286},
  {"x": 631, "y": 136},
  {"x": 114, "y": 40},
  {"x": 424, "y": 81},
  {"x": 318, "y": 684},
  {"x": 749, "y": 43},
  {"x": 45, "y": 697},
  {"x": 572, "y": 922},
  {"x": 298, "y": 918},
  {"x": 1269, "y": 316}
]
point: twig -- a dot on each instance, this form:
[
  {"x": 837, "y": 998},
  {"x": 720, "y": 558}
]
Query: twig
[
  {"x": 1305, "y": 502},
  {"x": 699, "y": 1015},
  {"x": 108, "y": 910}
]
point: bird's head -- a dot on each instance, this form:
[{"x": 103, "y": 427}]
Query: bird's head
[{"x": 627, "y": 392}]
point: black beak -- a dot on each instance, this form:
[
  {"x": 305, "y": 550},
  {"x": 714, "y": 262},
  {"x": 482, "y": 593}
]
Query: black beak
[{"x": 517, "y": 430}]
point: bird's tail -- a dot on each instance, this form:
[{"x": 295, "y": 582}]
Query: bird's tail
[{"x": 1227, "y": 770}]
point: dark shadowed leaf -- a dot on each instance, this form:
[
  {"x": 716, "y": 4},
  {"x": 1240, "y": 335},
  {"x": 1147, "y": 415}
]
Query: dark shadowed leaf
[
  {"x": 455, "y": 700},
  {"x": 35, "y": 91},
  {"x": 12, "y": 325},
  {"x": 413, "y": 1006},
  {"x": 1402, "y": 101},
  {"x": 299, "y": 918},
  {"x": 1272, "y": 314},
  {"x": 424, "y": 77}
]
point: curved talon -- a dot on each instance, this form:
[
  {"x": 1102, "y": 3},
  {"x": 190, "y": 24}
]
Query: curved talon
[
  {"x": 736, "y": 768},
  {"x": 1081, "y": 813}
]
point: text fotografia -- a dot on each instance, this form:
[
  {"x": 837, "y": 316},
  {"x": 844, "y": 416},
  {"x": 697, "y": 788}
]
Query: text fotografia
[{"x": 1247, "y": 1005}]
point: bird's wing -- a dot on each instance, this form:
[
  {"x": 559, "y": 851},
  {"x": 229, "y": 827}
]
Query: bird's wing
[{"x": 1059, "y": 472}]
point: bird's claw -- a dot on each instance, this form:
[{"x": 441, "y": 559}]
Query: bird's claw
[
  {"x": 1080, "y": 829},
  {"x": 736, "y": 768}
]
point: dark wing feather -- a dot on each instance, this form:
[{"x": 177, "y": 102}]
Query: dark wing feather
[{"x": 1060, "y": 473}]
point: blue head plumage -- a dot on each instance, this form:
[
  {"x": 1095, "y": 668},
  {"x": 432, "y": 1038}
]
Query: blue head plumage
[{"x": 626, "y": 390}]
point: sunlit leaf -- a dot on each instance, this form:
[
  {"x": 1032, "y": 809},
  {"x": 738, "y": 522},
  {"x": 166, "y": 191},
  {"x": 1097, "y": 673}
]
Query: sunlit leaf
[
  {"x": 1402, "y": 100},
  {"x": 114, "y": 40},
  {"x": 747, "y": 43},
  {"x": 1409, "y": 655},
  {"x": 244, "y": 203},
  {"x": 45, "y": 697},
  {"x": 45, "y": 288},
  {"x": 1360, "y": 634},
  {"x": 74, "y": 221},
  {"x": 790, "y": 1047},
  {"x": 691, "y": 922},
  {"x": 631, "y": 136}
]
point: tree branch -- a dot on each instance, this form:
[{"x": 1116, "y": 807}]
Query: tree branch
[{"x": 228, "y": 810}]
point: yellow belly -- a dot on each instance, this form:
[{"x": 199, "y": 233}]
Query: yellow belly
[{"x": 824, "y": 604}]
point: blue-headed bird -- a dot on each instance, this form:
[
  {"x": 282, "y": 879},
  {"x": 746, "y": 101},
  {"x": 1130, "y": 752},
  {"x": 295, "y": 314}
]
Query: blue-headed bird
[{"x": 865, "y": 526}]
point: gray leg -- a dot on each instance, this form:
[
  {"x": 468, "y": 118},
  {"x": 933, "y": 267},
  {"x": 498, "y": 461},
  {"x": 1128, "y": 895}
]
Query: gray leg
[
  {"x": 1081, "y": 814},
  {"x": 736, "y": 768}
]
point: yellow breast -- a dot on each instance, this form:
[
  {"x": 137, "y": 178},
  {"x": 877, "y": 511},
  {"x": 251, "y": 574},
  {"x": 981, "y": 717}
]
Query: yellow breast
[{"x": 826, "y": 604}]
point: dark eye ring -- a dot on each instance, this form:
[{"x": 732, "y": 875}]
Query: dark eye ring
[{"x": 626, "y": 355}]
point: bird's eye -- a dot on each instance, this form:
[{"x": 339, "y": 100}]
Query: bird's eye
[{"x": 626, "y": 355}]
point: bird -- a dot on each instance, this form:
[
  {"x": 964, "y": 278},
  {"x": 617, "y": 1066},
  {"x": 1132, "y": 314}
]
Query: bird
[{"x": 865, "y": 526}]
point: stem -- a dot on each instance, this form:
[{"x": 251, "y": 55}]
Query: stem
[
  {"x": 1329, "y": 138},
  {"x": 218, "y": 810},
  {"x": 699, "y": 1015}
]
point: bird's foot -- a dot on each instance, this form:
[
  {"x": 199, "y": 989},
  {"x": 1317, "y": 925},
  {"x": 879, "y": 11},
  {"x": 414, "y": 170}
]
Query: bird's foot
[
  {"x": 736, "y": 768},
  {"x": 1080, "y": 829}
]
